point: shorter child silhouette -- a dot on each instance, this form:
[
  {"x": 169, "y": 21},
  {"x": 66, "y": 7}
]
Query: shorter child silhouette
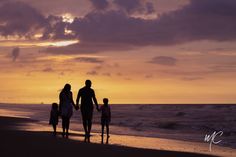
[
  {"x": 54, "y": 117},
  {"x": 106, "y": 117}
]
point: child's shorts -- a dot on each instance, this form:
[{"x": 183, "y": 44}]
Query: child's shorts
[{"x": 105, "y": 121}]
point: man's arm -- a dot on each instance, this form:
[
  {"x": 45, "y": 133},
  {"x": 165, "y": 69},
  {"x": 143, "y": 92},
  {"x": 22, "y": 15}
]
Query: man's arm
[
  {"x": 77, "y": 99},
  {"x": 109, "y": 114},
  {"x": 95, "y": 101}
]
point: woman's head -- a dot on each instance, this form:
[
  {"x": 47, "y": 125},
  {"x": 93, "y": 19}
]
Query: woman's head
[{"x": 67, "y": 87}]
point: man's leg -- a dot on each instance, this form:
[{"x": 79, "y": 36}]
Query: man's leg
[
  {"x": 84, "y": 124},
  {"x": 89, "y": 128}
]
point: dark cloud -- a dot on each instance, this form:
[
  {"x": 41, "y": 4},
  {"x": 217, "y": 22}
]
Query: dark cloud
[
  {"x": 15, "y": 54},
  {"x": 135, "y": 6},
  {"x": 18, "y": 18},
  {"x": 130, "y": 5},
  {"x": 100, "y": 4},
  {"x": 164, "y": 60},
  {"x": 87, "y": 60},
  {"x": 112, "y": 27},
  {"x": 199, "y": 20},
  {"x": 116, "y": 30},
  {"x": 150, "y": 8}
]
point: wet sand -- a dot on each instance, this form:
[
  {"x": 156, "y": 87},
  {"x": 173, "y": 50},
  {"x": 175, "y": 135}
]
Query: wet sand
[{"x": 35, "y": 143}]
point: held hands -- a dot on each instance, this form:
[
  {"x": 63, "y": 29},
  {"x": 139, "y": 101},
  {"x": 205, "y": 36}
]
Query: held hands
[
  {"x": 77, "y": 107},
  {"x": 97, "y": 108}
]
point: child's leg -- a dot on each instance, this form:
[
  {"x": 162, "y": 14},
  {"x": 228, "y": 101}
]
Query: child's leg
[
  {"x": 102, "y": 131},
  {"x": 107, "y": 127}
]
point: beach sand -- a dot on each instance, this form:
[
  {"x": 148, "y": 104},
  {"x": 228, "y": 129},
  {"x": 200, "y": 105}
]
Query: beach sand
[{"x": 37, "y": 144}]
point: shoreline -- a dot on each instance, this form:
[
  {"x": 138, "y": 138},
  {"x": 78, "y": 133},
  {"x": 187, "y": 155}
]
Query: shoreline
[
  {"x": 121, "y": 143},
  {"x": 30, "y": 143}
]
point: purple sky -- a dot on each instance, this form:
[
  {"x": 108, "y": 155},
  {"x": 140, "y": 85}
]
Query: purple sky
[{"x": 186, "y": 48}]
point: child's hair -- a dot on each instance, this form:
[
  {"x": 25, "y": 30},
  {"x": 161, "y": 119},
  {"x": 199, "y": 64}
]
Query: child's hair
[
  {"x": 54, "y": 106},
  {"x": 105, "y": 101}
]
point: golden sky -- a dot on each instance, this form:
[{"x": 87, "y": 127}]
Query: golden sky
[{"x": 140, "y": 52}]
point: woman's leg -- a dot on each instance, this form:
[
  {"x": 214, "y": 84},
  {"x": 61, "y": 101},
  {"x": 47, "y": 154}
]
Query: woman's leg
[
  {"x": 54, "y": 129},
  {"x": 67, "y": 125},
  {"x": 63, "y": 125}
]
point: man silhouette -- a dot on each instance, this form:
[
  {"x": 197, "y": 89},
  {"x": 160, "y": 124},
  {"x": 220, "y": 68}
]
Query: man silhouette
[{"x": 87, "y": 96}]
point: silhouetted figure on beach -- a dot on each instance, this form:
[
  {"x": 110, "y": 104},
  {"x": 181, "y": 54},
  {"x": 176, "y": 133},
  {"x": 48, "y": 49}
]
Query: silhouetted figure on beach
[
  {"x": 54, "y": 117},
  {"x": 105, "y": 118},
  {"x": 87, "y": 96},
  {"x": 66, "y": 108}
]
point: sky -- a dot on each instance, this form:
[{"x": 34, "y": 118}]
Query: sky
[{"x": 133, "y": 51}]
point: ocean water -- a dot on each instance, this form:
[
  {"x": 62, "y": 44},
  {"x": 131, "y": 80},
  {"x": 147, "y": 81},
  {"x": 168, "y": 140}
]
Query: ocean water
[{"x": 181, "y": 122}]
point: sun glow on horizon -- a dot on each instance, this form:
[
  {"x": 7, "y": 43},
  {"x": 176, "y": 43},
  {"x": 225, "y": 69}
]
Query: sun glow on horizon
[{"x": 37, "y": 43}]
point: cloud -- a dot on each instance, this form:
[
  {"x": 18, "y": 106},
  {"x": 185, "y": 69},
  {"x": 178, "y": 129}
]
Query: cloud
[
  {"x": 148, "y": 76},
  {"x": 87, "y": 60},
  {"x": 164, "y": 60},
  {"x": 223, "y": 68},
  {"x": 199, "y": 20},
  {"x": 48, "y": 69},
  {"x": 93, "y": 72},
  {"x": 107, "y": 74},
  {"x": 150, "y": 8},
  {"x": 100, "y": 4},
  {"x": 15, "y": 54},
  {"x": 130, "y": 5},
  {"x": 189, "y": 78},
  {"x": 87, "y": 48},
  {"x": 18, "y": 18},
  {"x": 116, "y": 29}
]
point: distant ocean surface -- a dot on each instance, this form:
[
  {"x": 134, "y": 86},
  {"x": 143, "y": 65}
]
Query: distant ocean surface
[{"x": 182, "y": 122}]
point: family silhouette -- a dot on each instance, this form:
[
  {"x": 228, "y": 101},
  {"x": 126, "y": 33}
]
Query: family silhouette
[{"x": 85, "y": 103}]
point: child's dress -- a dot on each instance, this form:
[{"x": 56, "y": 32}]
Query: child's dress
[
  {"x": 54, "y": 117},
  {"x": 106, "y": 115}
]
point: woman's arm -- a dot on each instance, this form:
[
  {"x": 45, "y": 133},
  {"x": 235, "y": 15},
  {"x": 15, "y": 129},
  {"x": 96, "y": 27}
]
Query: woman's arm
[{"x": 72, "y": 100}]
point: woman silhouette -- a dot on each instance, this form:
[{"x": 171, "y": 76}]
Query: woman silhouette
[{"x": 66, "y": 108}]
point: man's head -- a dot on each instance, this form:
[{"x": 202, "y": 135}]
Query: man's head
[{"x": 88, "y": 83}]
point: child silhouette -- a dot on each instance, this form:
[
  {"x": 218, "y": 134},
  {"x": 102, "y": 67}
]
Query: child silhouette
[
  {"x": 105, "y": 117},
  {"x": 54, "y": 117}
]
